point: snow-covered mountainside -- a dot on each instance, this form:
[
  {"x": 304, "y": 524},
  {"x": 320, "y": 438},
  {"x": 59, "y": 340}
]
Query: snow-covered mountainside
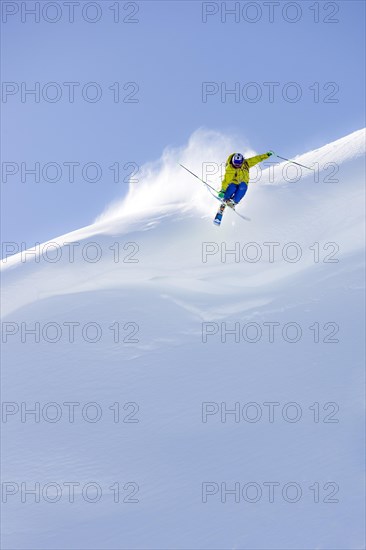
[{"x": 154, "y": 313}]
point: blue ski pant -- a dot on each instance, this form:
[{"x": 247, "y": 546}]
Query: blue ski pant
[{"x": 236, "y": 191}]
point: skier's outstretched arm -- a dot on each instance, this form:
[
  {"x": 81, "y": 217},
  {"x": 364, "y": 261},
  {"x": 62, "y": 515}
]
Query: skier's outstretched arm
[{"x": 259, "y": 158}]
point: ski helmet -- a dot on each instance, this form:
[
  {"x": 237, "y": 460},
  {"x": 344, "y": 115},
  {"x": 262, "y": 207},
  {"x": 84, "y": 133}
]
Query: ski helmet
[{"x": 237, "y": 160}]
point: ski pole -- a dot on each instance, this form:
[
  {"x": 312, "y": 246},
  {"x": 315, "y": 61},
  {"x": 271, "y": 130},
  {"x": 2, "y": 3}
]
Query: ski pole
[
  {"x": 203, "y": 181},
  {"x": 293, "y": 162}
]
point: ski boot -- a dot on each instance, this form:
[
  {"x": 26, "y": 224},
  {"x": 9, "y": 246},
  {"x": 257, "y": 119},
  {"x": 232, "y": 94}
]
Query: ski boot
[{"x": 231, "y": 203}]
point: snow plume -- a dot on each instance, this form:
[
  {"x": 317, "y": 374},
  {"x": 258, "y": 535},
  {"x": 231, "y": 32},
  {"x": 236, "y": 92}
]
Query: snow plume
[{"x": 163, "y": 184}]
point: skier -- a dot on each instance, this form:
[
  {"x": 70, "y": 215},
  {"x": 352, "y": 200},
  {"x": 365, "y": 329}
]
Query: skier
[{"x": 235, "y": 183}]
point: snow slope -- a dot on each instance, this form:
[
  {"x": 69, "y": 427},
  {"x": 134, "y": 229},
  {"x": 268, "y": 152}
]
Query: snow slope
[{"x": 173, "y": 285}]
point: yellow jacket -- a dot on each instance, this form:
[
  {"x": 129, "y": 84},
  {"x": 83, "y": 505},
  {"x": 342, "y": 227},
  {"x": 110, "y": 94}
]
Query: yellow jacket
[{"x": 237, "y": 175}]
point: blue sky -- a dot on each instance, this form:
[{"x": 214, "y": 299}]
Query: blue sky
[{"x": 168, "y": 53}]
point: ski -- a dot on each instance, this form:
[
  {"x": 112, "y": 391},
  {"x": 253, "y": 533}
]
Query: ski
[
  {"x": 219, "y": 214},
  {"x": 231, "y": 208}
]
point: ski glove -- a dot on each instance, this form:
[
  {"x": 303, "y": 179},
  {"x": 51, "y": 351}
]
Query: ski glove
[
  {"x": 270, "y": 153},
  {"x": 221, "y": 194}
]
